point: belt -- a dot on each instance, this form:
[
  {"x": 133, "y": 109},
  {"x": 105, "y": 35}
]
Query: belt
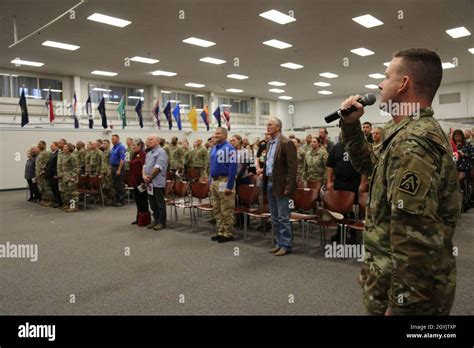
[{"x": 219, "y": 177}]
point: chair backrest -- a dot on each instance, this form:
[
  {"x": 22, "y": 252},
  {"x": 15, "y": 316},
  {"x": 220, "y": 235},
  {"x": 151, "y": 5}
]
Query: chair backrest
[
  {"x": 305, "y": 198},
  {"x": 363, "y": 197},
  {"x": 95, "y": 182},
  {"x": 169, "y": 187},
  {"x": 253, "y": 179},
  {"x": 338, "y": 201},
  {"x": 248, "y": 194},
  {"x": 83, "y": 181},
  {"x": 181, "y": 188},
  {"x": 316, "y": 185},
  {"x": 193, "y": 173},
  {"x": 169, "y": 175},
  {"x": 300, "y": 183},
  {"x": 200, "y": 190}
]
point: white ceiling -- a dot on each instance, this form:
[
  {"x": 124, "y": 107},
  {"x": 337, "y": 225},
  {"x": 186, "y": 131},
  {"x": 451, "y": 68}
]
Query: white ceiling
[{"x": 321, "y": 37}]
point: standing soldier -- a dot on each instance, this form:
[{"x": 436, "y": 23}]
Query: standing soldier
[
  {"x": 61, "y": 184},
  {"x": 176, "y": 157},
  {"x": 70, "y": 171},
  {"x": 80, "y": 156},
  {"x": 307, "y": 144},
  {"x": 315, "y": 162},
  {"x": 41, "y": 179},
  {"x": 198, "y": 158},
  {"x": 300, "y": 159},
  {"x": 106, "y": 173},
  {"x": 94, "y": 160},
  {"x": 414, "y": 197}
]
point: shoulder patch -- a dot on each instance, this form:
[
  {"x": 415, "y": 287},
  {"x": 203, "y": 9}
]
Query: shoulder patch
[{"x": 410, "y": 182}]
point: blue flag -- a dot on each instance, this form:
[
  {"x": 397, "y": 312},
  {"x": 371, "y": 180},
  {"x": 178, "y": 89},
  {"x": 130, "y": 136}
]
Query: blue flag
[
  {"x": 156, "y": 112},
  {"x": 138, "y": 110},
  {"x": 217, "y": 115},
  {"x": 167, "y": 112},
  {"x": 24, "y": 109},
  {"x": 101, "y": 109},
  {"x": 177, "y": 116},
  {"x": 89, "y": 112}
]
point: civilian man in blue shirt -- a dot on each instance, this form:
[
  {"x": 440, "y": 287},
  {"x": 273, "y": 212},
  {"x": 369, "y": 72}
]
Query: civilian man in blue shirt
[
  {"x": 223, "y": 171},
  {"x": 154, "y": 175},
  {"x": 117, "y": 165}
]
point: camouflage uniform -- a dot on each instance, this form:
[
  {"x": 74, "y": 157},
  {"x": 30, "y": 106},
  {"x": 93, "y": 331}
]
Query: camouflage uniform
[
  {"x": 80, "y": 158},
  {"x": 94, "y": 162},
  {"x": 128, "y": 158},
  {"x": 307, "y": 147},
  {"x": 198, "y": 160},
  {"x": 177, "y": 154},
  {"x": 70, "y": 170},
  {"x": 43, "y": 183},
  {"x": 414, "y": 203},
  {"x": 61, "y": 183},
  {"x": 315, "y": 165},
  {"x": 107, "y": 184},
  {"x": 300, "y": 160}
]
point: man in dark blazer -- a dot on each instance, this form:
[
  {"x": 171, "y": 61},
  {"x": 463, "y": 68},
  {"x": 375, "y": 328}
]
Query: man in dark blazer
[
  {"x": 52, "y": 175},
  {"x": 279, "y": 182}
]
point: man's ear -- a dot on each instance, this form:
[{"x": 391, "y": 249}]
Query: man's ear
[{"x": 404, "y": 84}]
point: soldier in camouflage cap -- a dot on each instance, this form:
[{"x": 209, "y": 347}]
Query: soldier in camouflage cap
[
  {"x": 315, "y": 162},
  {"x": 94, "y": 160},
  {"x": 176, "y": 159},
  {"x": 61, "y": 183},
  {"x": 198, "y": 158},
  {"x": 414, "y": 196},
  {"x": 70, "y": 170},
  {"x": 40, "y": 167}
]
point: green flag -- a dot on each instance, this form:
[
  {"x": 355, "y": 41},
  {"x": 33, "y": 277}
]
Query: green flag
[{"x": 121, "y": 111}]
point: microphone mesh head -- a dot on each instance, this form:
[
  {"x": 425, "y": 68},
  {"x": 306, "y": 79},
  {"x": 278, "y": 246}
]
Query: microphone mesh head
[{"x": 369, "y": 98}]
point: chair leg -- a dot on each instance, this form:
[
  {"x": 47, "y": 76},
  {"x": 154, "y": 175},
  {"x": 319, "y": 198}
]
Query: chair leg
[{"x": 245, "y": 226}]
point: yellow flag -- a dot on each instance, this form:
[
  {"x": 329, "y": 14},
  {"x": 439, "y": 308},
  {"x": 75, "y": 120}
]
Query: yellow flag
[{"x": 192, "y": 116}]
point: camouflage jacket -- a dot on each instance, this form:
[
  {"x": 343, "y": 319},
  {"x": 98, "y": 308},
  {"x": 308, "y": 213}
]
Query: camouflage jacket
[
  {"x": 41, "y": 162},
  {"x": 300, "y": 160},
  {"x": 105, "y": 166},
  {"x": 94, "y": 163},
  {"x": 315, "y": 165},
  {"x": 80, "y": 157},
  {"x": 176, "y": 157},
  {"x": 198, "y": 157},
  {"x": 69, "y": 166},
  {"x": 412, "y": 210}
]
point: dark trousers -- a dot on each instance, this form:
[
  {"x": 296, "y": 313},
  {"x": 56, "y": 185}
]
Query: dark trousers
[
  {"x": 34, "y": 192},
  {"x": 141, "y": 199},
  {"x": 54, "y": 183},
  {"x": 158, "y": 206},
  {"x": 117, "y": 181}
]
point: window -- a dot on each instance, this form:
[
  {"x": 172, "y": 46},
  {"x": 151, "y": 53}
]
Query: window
[
  {"x": 236, "y": 106},
  {"x": 265, "y": 108},
  {"x": 198, "y": 102},
  {"x": 133, "y": 95},
  {"x": 56, "y": 89},
  {"x": 29, "y": 84},
  {"x": 4, "y": 85},
  {"x": 112, "y": 94}
]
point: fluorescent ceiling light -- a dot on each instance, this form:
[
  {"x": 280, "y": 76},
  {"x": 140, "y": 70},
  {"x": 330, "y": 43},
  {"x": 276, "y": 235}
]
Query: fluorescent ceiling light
[
  {"x": 371, "y": 86},
  {"x": 163, "y": 73},
  {"x": 60, "y": 45},
  {"x": 212, "y": 60},
  {"x": 234, "y": 90},
  {"x": 361, "y": 51},
  {"x": 116, "y": 22},
  {"x": 199, "y": 95},
  {"x": 471, "y": 50},
  {"x": 328, "y": 75},
  {"x": 367, "y": 21},
  {"x": 134, "y": 97},
  {"x": 144, "y": 60},
  {"x": 198, "y": 42},
  {"x": 377, "y": 76},
  {"x": 26, "y": 62},
  {"x": 101, "y": 89},
  {"x": 448, "y": 65},
  {"x": 277, "y": 44},
  {"x": 276, "y": 90},
  {"x": 195, "y": 85},
  {"x": 32, "y": 96},
  {"x": 386, "y": 63},
  {"x": 322, "y": 84},
  {"x": 104, "y": 73},
  {"x": 285, "y": 97},
  {"x": 184, "y": 105},
  {"x": 226, "y": 105},
  {"x": 53, "y": 90},
  {"x": 290, "y": 65},
  {"x": 277, "y": 83},
  {"x": 237, "y": 76},
  {"x": 277, "y": 16},
  {"x": 458, "y": 32},
  {"x": 174, "y": 101},
  {"x": 166, "y": 92},
  {"x": 141, "y": 90},
  {"x": 325, "y": 92}
]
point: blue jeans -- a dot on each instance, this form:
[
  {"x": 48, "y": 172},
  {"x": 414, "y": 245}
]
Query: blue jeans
[{"x": 280, "y": 211}]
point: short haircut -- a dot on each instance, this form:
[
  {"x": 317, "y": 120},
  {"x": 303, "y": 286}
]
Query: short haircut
[
  {"x": 425, "y": 67},
  {"x": 223, "y": 130},
  {"x": 70, "y": 147},
  {"x": 116, "y": 135},
  {"x": 42, "y": 142},
  {"x": 55, "y": 143},
  {"x": 366, "y": 122},
  {"x": 325, "y": 130},
  {"x": 277, "y": 121},
  {"x": 63, "y": 140}
]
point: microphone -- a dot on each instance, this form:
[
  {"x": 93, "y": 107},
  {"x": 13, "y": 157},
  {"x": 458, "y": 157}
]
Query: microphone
[{"x": 367, "y": 99}]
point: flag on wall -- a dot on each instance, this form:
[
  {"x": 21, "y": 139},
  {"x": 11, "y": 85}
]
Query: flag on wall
[
  {"x": 205, "y": 117},
  {"x": 121, "y": 111},
  {"x": 167, "y": 112},
  {"x": 89, "y": 112},
  {"x": 24, "y": 109},
  {"x": 217, "y": 115},
  {"x": 193, "y": 119},
  {"x": 101, "y": 109},
  {"x": 156, "y": 112},
  {"x": 177, "y": 116},
  {"x": 50, "y": 107},
  {"x": 138, "y": 110},
  {"x": 227, "y": 119},
  {"x": 74, "y": 111}
]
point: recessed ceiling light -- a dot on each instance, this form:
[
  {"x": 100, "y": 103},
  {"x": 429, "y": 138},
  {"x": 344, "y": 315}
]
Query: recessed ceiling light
[
  {"x": 104, "y": 73},
  {"x": 371, "y": 86},
  {"x": 276, "y": 83},
  {"x": 53, "y": 90},
  {"x": 285, "y": 97},
  {"x": 458, "y": 32},
  {"x": 367, "y": 21},
  {"x": 116, "y": 22},
  {"x": 195, "y": 85},
  {"x": 199, "y": 95},
  {"x": 448, "y": 65},
  {"x": 471, "y": 50},
  {"x": 98, "y": 89},
  {"x": 361, "y": 51},
  {"x": 237, "y": 76},
  {"x": 198, "y": 42},
  {"x": 322, "y": 84},
  {"x": 60, "y": 45},
  {"x": 134, "y": 97},
  {"x": 386, "y": 63},
  {"x": 234, "y": 90},
  {"x": 276, "y": 90},
  {"x": 212, "y": 60},
  {"x": 226, "y": 105},
  {"x": 144, "y": 60},
  {"x": 290, "y": 65},
  {"x": 328, "y": 75},
  {"x": 325, "y": 92},
  {"x": 166, "y": 92},
  {"x": 163, "y": 73},
  {"x": 277, "y": 16},
  {"x": 18, "y": 61},
  {"x": 277, "y": 44},
  {"x": 377, "y": 76}
]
